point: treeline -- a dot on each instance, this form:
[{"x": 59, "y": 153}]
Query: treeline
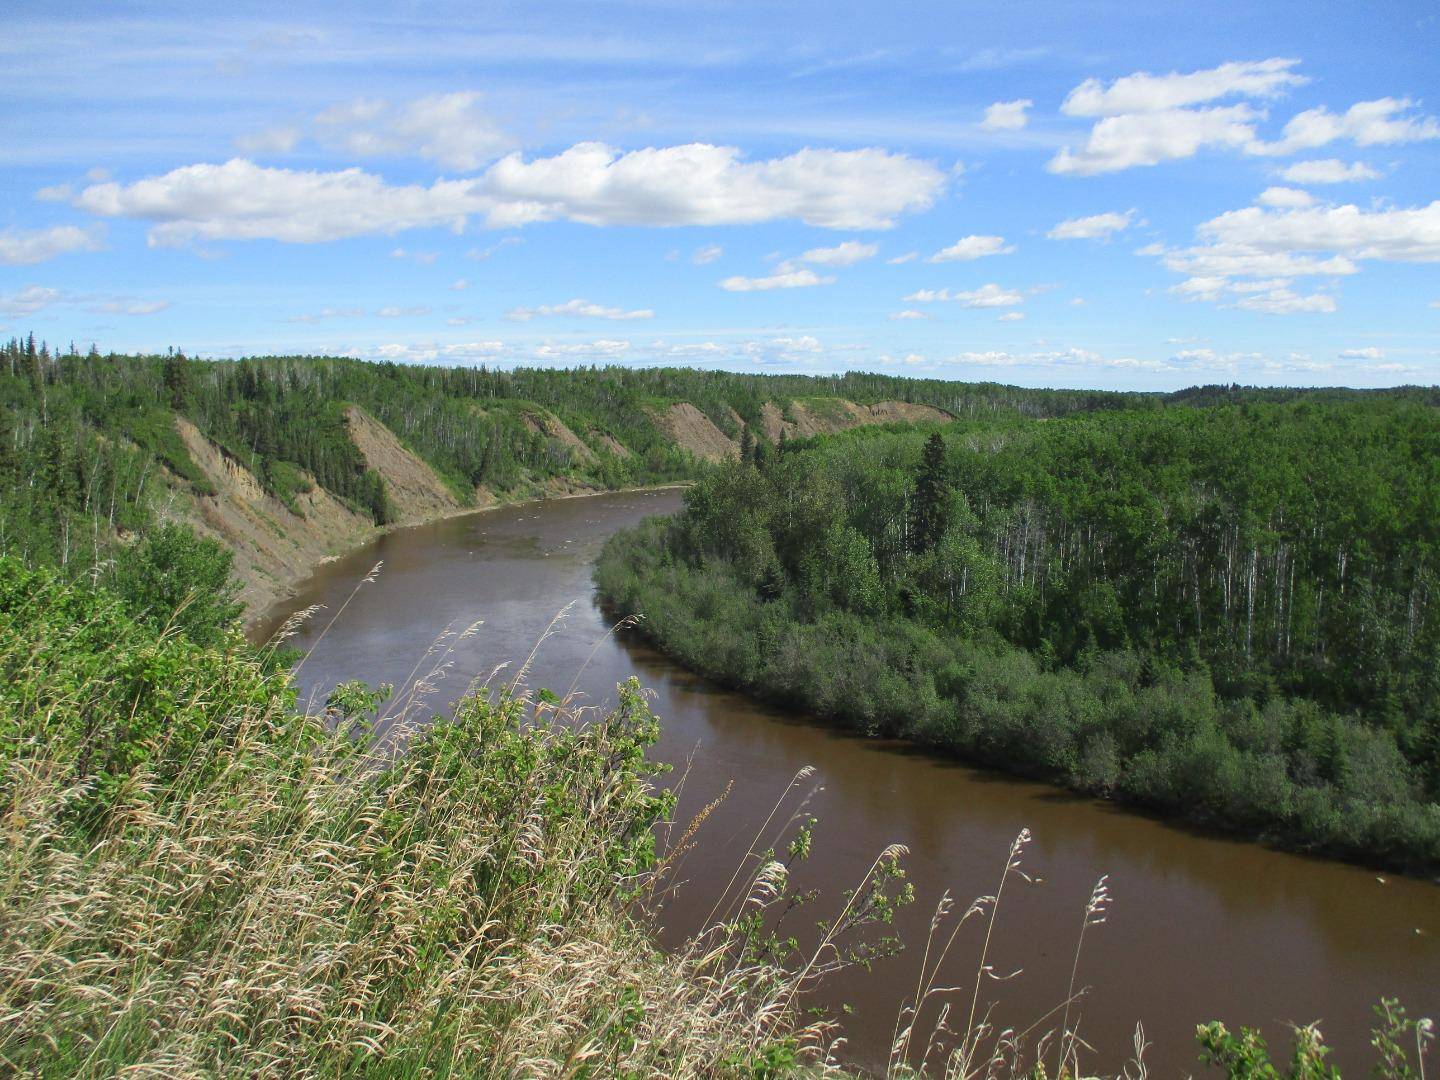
[
  {"x": 89, "y": 450},
  {"x": 1229, "y": 613}
]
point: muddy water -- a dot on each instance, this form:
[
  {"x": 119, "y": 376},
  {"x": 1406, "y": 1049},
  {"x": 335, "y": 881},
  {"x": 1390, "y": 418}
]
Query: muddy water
[{"x": 1200, "y": 927}]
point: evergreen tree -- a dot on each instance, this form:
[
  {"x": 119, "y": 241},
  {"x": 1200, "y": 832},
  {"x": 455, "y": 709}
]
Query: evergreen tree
[{"x": 927, "y": 523}]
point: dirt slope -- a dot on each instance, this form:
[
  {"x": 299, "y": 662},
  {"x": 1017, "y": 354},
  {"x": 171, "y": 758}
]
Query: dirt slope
[
  {"x": 610, "y": 444},
  {"x": 837, "y": 414},
  {"x": 415, "y": 492},
  {"x": 551, "y": 426},
  {"x": 274, "y": 547},
  {"x": 690, "y": 429}
]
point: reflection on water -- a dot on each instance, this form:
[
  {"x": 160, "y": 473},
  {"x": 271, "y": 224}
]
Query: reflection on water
[{"x": 1201, "y": 927}]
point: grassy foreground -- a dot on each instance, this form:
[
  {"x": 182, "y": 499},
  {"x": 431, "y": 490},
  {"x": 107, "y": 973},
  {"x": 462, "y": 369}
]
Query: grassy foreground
[{"x": 196, "y": 879}]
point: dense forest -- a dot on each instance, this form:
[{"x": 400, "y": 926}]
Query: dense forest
[
  {"x": 1229, "y": 613},
  {"x": 89, "y": 449}
]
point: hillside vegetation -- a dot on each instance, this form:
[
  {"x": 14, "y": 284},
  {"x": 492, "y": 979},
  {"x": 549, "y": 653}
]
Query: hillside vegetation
[
  {"x": 1227, "y": 613},
  {"x": 285, "y": 460}
]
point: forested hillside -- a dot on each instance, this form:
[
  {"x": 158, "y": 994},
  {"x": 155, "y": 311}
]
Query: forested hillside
[
  {"x": 1229, "y": 613},
  {"x": 287, "y": 459}
]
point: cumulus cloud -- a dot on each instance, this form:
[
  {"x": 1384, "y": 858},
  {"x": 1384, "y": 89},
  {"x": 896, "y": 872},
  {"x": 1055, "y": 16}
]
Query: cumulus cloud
[
  {"x": 791, "y": 279},
  {"x": 29, "y": 300},
  {"x": 1146, "y": 93},
  {"x": 1249, "y": 258},
  {"x": 21, "y": 247},
  {"x": 1366, "y": 123},
  {"x": 1094, "y": 227},
  {"x": 403, "y": 312},
  {"x": 591, "y": 183},
  {"x": 987, "y": 296},
  {"x": 1391, "y": 235},
  {"x": 968, "y": 248},
  {"x": 1143, "y": 119},
  {"x": 901, "y": 260},
  {"x": 707, "y": 254},
  {"x": 1327, "y": 171},
  {"x": 1006, "y": 115},
  {"x": 1370, "y": 352},
  {"x": 606, "y": 348},
  {"x": 1149, "y": 138},
  {"x": 578, "y": 308},
  {"x": 449, "y": 129},
  {"x": 1284, "y": 198},
  {"x": 845, "y": 254},
  {"x": 908, "y": 313},
  {"x": 700, "y": 184},
  {"x": 1011, "y": 316}
]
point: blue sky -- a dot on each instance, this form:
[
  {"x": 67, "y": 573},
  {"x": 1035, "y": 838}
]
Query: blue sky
[{"x": 1103, "y": 195}]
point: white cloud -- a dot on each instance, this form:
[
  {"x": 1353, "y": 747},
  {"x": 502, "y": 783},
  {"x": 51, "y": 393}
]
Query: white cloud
[
  {"x": 707, "y": 254},
  {"x": 846, "y": 254},
  {"x": 1094, "y": 227},
  {"x": 97, "y": 174},
  {"x": 403, "y": 312},
  {"x": 803, "y": 344},
  {"x": 1370, "y": 352},
  {"x": 29, "y": 300},
  {"x": 1391, "y": 235},
  {"x": 1011, "y": 316},
  {"x": 449, "y": 129},
  {"x": 968, "y": 248},
  {"x": 909, "y": 313},
  {"x": 1327, "y": 171},
  {"x": 607, "y": 348},
  {"x": 901, "y": 260},
  {"x": 987, "y": 296},
  {"x": 1006, "y": 115},
  {"x": 1146, "y": 93},
  {"x": 1285, "y": 198},
  {"x": 459, "y": 285},
  {"x": 578, "y": 308},
  {"x": 590, "y": 183},
  {"x": 36, "y": 298},
  {"x": 793, "y": 279},
  {"x": 422, "y": 258},
  {"x": 1367, "y": 123},
  {"x": 1283, "y": 301},
  {"x": 1149, "y": 138},
  {"x": 700, "y": 184},
  {"x": 20, "y": 247},
  {"x": 55, "y": 193}
]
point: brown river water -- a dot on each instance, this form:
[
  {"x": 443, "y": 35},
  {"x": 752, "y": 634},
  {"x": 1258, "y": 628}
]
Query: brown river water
[{"x": 1200, "y": 927}]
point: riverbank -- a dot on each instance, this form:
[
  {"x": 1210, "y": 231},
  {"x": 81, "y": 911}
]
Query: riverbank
[
  {"x": 1264, "y": 935},
  {"x": 262, "y": 602},
  {"x": 989, "y": 703}
]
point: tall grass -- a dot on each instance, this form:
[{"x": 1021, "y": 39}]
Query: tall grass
[{"x": 246, "y": 890}]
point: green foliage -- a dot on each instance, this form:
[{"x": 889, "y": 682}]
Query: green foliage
[
  {"x": 198, "y": 879},
  {"x": 1229, "y": 614},
  {"x": 175, "y": 580}
]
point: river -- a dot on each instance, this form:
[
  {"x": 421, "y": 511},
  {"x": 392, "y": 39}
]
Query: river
[{"x": 1200, "y": 927}]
